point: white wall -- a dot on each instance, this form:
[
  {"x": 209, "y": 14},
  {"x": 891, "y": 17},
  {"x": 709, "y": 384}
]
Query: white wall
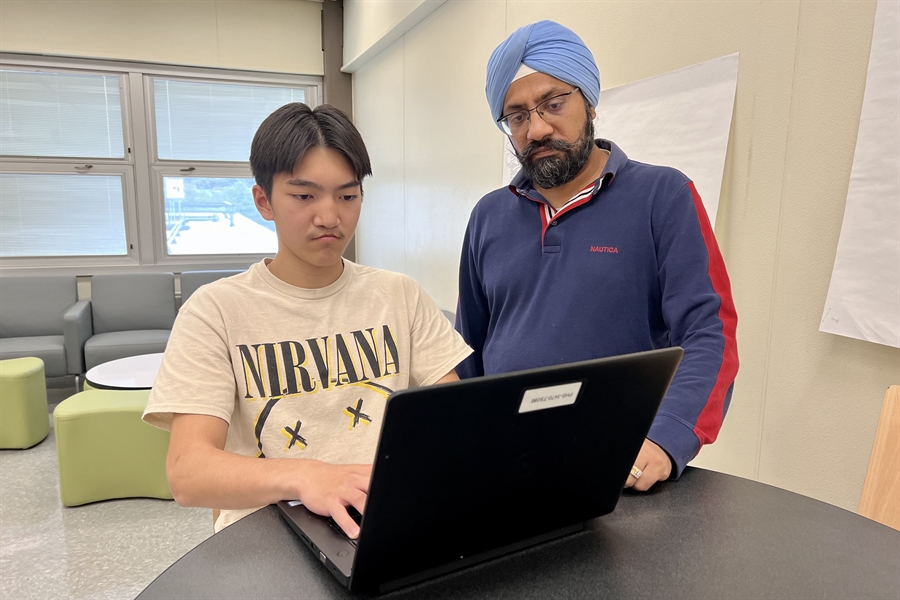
[
  {"x": 806, "y": 403},
  {"x": 370, "y": 26},
  {"x": 283, "y": 36},
  {"x": 428, "y": 123},
  {"x": 367, "y": 21}
]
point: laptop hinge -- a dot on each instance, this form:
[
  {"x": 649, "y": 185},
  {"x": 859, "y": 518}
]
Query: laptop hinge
[{"x": 479, "y": 558}]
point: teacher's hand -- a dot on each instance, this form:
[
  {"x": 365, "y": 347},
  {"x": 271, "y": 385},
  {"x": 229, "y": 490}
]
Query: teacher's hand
[{"x": 655, "y": 465}]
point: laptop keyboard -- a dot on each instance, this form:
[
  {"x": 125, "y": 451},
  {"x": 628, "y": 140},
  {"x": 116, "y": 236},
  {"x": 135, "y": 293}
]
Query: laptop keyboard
[{"x": 354, "y": 514}]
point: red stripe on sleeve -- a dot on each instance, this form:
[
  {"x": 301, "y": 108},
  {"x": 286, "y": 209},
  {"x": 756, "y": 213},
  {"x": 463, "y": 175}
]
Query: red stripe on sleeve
[{"x": 710, "y": 419}]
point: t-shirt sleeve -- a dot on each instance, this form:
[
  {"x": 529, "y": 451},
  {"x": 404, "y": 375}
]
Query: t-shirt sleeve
[
  {"x": 435, "y": 347},
  {"x": 196, "y": 375}
]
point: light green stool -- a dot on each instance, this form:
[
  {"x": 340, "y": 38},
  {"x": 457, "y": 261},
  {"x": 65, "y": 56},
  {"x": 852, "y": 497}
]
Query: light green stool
[
  {"x": 24, "y": 417},
  {"x": 105, "y": 451}
]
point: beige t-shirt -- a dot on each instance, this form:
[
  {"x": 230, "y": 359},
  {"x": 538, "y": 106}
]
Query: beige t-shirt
[{"x": 301, "y": 373}]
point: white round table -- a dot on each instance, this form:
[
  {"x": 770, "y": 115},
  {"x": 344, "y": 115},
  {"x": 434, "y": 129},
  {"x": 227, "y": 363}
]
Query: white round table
[{"x": 131, "y": 373}]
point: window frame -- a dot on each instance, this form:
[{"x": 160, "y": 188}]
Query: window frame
[
  {"x": 125, "y": 171},
  {"x": 145, "y": 203},
  {"x": 200, "y": 168},
  {"x": 231, "y": 170},
  {"x": 150, "y": 101},
  {"x": 127, "y": 135}
]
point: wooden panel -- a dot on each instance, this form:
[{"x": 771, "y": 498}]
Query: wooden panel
[{"x": 880, "y": 499}]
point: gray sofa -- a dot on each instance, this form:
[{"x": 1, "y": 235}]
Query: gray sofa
[
  {"x": 132, "y": 314},
  {"x": 191, "y": 280},
  {"x": 41, "y": 316}
]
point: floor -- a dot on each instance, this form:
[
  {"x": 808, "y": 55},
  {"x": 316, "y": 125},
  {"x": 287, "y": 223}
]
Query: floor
[{"x": 104, "y": 550}]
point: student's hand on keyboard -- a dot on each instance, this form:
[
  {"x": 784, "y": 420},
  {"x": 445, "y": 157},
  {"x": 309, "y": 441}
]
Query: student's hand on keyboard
[{"x": 328, "y": 490}]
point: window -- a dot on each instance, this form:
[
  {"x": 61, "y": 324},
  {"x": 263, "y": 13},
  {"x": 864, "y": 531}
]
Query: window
[
  {"x": 60, "y": 214},
  {"x": 105, "y": 163},
  {"x": 51, "y": 206},
  {"x": 212, "y": 121},
  {"x": 203, "y": 135},
  {"x": 214, "y": 215}
]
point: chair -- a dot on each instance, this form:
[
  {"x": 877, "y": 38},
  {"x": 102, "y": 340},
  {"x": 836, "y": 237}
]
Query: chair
[
  {"x": 132, "y": 313},
  {"x": 106, "y": 451},
  {"x": 880, "y": 498},
  {"x": 41, "y": 316},
  {"x": 191, "y": 280}
]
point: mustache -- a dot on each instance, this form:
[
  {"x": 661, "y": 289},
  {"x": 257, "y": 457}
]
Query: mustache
[{"x": 545, "y": 144}]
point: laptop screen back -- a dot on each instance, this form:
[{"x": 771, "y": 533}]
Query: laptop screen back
[{"x": 467, "y": 467}]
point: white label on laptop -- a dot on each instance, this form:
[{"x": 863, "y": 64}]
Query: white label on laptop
[{"x": 550, "y": 397}]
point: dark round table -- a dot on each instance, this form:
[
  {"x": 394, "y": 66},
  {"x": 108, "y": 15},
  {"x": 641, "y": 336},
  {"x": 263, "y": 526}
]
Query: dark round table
[{"x": 708, "y": 535}]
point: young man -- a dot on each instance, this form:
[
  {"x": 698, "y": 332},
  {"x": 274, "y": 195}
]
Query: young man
[
  {"x": 589, "y": 254},
  {"x": 295, "y": 358}
]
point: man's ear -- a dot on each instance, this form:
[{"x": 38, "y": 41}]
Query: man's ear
[
  {"x": 262, "y": 202},
  {"x": 593, "y": 113}
]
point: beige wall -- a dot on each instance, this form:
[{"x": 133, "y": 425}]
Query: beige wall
[
  {"x": 805, "y": 404},
  {"x": 282, "y": 36}
]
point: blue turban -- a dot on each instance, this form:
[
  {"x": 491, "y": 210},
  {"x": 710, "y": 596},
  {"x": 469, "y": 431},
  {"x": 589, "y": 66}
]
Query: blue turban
[{"x": 547, "y": 47}]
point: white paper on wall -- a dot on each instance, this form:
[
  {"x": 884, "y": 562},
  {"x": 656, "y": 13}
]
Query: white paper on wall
[
  {"x": 679, "y": 119},
  {"x": 863, "y": 299}
]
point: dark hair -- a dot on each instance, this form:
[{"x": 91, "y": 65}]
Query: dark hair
[{"x": 285, "y": 136}]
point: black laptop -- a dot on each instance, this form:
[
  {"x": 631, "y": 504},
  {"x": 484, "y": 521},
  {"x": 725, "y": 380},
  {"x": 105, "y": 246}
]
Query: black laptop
[{"x": 472, "y": 470}]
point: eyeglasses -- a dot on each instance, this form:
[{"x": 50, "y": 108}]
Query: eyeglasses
[{"x": 516, "y": 123}]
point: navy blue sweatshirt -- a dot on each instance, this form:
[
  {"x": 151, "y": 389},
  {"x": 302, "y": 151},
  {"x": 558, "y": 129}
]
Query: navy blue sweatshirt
[{"x": 630, "y": 264}]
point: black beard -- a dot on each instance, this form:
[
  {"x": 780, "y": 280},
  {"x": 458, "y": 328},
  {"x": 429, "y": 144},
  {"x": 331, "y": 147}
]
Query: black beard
[{"x": 554, "y": 171}]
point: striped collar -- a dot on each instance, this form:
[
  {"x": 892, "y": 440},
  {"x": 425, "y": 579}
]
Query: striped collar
[
  {"x": 577, "y": 200},
  {"x": 521, "y": 185}
]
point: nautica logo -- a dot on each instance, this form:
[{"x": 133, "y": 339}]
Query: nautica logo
[{"x": 610, "y": 249}]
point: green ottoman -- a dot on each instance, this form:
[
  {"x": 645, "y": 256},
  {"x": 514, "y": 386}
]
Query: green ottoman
[
  {"x": 24, "y": 417},
  {"x": 105, "y": 451}
]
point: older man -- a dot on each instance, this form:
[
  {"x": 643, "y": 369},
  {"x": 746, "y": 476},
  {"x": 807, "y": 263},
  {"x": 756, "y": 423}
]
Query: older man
[{"x": 588, "y": 254}]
